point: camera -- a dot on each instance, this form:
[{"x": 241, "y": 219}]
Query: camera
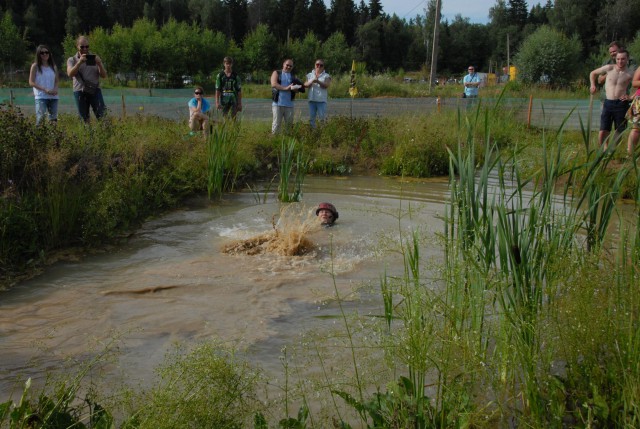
[{"x": 91, "y": 60}]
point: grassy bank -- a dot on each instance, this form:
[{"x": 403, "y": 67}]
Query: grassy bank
[
  {"x": 78, "y": 186},
  {"x": 529, "y": 319}
]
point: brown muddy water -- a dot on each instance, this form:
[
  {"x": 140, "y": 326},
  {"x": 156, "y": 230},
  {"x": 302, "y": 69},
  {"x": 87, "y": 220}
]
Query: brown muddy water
[{"x": 171, "y": 282}]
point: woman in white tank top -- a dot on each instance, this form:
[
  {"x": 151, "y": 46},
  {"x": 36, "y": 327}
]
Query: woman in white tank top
[{"x": 43, "y": 77}]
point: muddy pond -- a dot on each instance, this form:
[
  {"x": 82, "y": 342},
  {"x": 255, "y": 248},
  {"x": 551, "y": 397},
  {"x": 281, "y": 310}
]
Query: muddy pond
[{"x": 171, "y": 282}]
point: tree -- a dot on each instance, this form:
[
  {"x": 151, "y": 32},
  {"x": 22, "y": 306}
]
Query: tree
[
  {"x": 299, "y": 19},
  {"x": 417, "y": 51},
  {"x": 125, "y": 12},
  {"x": 463, "y": 36},
  {"x": 318, "y": 19},
  {"x": 260, "y": 53},
  {"x": 237, "y": 19},
  {"x": 33, "y": 28},
  {"x": 362, "y": 13},
  {"x": 539, "y": 14},
  {"x": 571, "y": 17},
  {"x": 12, "y": 49},
  {"x": 396, "y": 40},
  {"x": 618, "y": 20},
  {"x": 337, "y": 54},
  {"x": 503, "y": 32},
  {"x": 371, "y": 43},
  {"x": 375, "y": 9},
  {"x": 518, "y": 12},
  {"x": 549, "y": 55},
  {"x": 634, "y": 47},
  {"x": 259, "y": 12},
  {"x": 305, "y": 52},
  {"x": 72, "y": 21},
  {"x": 342, "y": 15}
]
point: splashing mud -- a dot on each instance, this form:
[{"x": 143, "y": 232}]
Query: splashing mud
[{"x": 289, "y": 236}]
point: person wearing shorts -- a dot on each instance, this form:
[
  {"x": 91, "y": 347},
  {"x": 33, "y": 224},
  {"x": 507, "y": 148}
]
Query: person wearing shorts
[
  {"x": 633, "y": 115},
  {"x": 615, "y": 106}
]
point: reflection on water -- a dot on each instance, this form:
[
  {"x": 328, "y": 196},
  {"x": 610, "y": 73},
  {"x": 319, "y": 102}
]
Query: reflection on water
[{"x": 172, "y": 283}]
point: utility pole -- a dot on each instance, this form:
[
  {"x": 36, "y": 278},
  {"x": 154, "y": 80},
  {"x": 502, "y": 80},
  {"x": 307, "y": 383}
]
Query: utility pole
[
  {"x": 508, "y": 60},
  {"x": 434, "y": 53}
]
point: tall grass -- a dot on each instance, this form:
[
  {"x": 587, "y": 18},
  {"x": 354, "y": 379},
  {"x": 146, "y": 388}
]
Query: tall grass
[
  {"x": 505, "y": 239},
  {"x": 293, "y": 168},
  {"x": 222, "y": 148}
]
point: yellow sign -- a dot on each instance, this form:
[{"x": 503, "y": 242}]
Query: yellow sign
[{"x": 353, "y": 91}]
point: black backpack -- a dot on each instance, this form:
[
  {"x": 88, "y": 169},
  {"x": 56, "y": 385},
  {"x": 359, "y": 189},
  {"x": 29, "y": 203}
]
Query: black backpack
[{"x": 275, "y": 94}]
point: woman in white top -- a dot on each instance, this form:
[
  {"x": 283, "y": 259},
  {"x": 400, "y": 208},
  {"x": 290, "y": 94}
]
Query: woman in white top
[
  {"x": 318, "y": 82},
  {"x": 43, "y": 77}
]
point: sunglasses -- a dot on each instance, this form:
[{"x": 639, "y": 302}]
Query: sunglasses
[
  {"x": 197, "y": 92},
  {"x": 44, "y": 53},
  {"x": 84, "y": 46},
  {"x": 319, "y": 65},
  {"x": 288, "y": 65}
]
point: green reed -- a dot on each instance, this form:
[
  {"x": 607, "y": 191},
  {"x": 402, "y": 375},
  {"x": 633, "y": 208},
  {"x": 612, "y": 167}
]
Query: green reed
[
  {"x": 222, "y": 148},
  {"x": 504, "y": 235},
  {"x": 293, "y": 162}
]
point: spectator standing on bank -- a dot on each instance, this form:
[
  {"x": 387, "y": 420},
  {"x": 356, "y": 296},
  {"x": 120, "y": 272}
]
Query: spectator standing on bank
[
  {"x": 86, "y": 69},
  {"x": 228, "y": 90},
  {"x": 615, "y": 106},
  {"x": 614, "y": 47},
  {"x": 43, "y": 77},
  {"x": 198, "y": 109},
  {"x": 471, "y": 83},
  {"x": 633, "y": 115},
  {"x": 318, "y": 82},
  {"x": 284, "y": 87}
]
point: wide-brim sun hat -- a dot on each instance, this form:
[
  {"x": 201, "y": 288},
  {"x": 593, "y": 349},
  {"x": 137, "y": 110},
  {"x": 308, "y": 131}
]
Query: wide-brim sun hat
[{"x": 328, "y": 206}]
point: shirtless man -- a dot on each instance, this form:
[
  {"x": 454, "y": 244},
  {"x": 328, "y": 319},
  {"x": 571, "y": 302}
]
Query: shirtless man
[{"x": 615, "y": 106}]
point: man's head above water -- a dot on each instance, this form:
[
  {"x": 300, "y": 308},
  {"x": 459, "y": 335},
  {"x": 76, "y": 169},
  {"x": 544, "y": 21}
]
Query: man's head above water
[{"x": 327, "y": 213}]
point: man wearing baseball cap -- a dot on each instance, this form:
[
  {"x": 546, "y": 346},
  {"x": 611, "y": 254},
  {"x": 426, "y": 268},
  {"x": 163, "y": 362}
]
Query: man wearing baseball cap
[{"x": 327, "y": 214}]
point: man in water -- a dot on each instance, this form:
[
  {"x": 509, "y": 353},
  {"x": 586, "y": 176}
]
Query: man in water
[{"x": 327, "y": 214}]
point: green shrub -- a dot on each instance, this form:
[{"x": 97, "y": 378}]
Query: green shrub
[{"x": 207, "y": 387}]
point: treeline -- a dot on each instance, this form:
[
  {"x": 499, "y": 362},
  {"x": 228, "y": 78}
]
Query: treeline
[{"x": 362, "y": 31}]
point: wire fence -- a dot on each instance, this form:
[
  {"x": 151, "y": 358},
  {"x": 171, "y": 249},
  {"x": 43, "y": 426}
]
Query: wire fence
[{"x": 172, "y": 104}]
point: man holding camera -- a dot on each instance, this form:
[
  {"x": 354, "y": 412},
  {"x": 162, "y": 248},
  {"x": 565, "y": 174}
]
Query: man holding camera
[{"x": 86, "y": 69}]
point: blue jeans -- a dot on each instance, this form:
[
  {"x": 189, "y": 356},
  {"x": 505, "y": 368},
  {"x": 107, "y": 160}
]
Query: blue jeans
[
  {"x": 318, "y": 108},
  {"x": 46, "y": 106},
  {"x": 95, "y": 101}
]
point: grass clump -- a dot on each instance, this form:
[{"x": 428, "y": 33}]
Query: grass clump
[{"x": 205, "y": 387}]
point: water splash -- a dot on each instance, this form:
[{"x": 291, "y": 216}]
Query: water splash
[{"x": 288, "y": 237}]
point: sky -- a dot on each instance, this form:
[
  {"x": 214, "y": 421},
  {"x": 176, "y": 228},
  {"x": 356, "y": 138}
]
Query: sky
[{"x": 476, "y": 10}]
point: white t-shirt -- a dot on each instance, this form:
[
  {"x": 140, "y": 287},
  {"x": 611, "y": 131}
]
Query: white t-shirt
[{"x": 316, "y": 92}]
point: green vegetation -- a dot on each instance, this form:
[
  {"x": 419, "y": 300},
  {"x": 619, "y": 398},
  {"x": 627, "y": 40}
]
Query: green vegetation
[
  {"x": 222, "y": 156},
  {"x": 292, "y": 162},
  {"x": 530, "y": 318},
  {"x": 167, "y": 43}
]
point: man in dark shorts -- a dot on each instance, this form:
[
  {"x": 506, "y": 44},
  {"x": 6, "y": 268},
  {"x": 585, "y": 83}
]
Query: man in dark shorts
[{"x": 618, "y": 77}]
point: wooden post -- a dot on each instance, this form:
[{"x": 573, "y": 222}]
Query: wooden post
[
  {"x": 439, "y": 102},
  {"x": 11, "y": 98},
  {"x": 124, "y": 107},
  {"x": 529, "y": 114}
]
